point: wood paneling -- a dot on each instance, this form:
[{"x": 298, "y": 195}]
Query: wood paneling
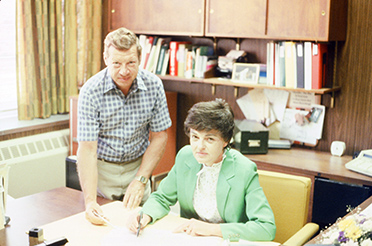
[
  {"x": 148, "y": 17},
  {"x": 307, "y": 20},
  {"x": 351, "y": 120},
  {"x": 236, "y": 18}
]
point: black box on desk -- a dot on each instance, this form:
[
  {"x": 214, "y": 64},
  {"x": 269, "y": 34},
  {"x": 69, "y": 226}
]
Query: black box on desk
[{"x": 251, "y": 137}]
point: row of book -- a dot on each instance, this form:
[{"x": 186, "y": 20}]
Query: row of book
[
  {"x": 297, "y": 64},
  {"x": 289, "y": 64},
  {"x": 177, "y": 58}
]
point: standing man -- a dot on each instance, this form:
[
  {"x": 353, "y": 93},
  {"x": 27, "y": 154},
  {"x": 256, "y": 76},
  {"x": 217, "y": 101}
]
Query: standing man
[{"x": 122, "y": 122}]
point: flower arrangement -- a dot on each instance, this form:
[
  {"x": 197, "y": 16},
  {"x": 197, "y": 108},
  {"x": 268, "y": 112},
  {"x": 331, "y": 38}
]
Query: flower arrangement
[{"x": 355, "y": 229}]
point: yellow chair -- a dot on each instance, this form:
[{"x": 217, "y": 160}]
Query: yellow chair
[{"x": 289, "y": 196}]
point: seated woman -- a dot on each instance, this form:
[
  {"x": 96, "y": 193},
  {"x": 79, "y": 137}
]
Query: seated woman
[{"x": 217, "y": 187}]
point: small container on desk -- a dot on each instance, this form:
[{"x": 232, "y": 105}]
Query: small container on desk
[{"x": 251, "y": 137}]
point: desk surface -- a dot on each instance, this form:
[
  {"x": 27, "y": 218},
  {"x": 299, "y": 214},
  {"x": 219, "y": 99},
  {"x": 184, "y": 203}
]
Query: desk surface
[
  {"x": 39, "y": 209},
  {"x": 310, "y": 162},
  {"x": 157, "y": 234},
  {"x": 60, "y": 213}
]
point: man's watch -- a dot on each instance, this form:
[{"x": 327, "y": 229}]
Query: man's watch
[{"x": 142, "y": 179}]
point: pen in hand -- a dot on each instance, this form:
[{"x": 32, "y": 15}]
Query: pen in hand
[{"x": 139, "y": 223}]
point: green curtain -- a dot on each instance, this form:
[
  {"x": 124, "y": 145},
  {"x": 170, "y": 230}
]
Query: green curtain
[{"x": 58, "y": 49}]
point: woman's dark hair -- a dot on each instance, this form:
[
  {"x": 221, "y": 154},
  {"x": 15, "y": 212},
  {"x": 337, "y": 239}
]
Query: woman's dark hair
[{"x": 212, "y": 115}]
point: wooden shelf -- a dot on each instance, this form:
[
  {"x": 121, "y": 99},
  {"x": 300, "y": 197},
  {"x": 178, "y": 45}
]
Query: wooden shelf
[{"x": 228, "y": 82}]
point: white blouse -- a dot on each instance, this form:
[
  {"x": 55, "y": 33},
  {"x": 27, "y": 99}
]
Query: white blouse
[{"x": 205, "y": 200}]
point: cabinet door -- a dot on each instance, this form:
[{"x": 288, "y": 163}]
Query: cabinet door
[
  {"x": 163, "y": 17},
  {"x": 236, "y": 18},
  {"x": 321, "y": 20}
]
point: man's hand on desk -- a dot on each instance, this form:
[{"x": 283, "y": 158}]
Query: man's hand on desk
[
  {"x": 195, "y": 227},
  {"x": 91, "y": 208},
  {"x": 134, "y": 194}
]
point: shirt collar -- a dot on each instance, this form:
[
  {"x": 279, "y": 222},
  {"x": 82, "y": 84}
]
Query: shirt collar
[{"x": 140, "y": 83}]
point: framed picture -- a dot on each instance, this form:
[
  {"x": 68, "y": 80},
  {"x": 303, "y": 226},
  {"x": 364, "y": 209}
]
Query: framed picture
[{"x": 246, "y": 73}]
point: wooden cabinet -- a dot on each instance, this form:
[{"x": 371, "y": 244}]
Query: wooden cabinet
[
  {"x": 236, "y": 18},
  {"x": 319, "y": 20},
  {"x": 162, "y": 17}
]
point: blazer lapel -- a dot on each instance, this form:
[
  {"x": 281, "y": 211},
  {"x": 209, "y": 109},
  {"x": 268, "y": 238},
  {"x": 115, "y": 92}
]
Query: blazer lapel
[
  {"x": 223, "y": 186},
  {"x": 193, "y": 167}
]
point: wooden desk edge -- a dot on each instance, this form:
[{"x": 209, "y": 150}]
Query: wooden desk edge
[{"x": 315, "y": 164}]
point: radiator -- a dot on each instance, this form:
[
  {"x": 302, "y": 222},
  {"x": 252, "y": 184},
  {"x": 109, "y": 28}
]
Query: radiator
[{"x": 36, "y": 163}]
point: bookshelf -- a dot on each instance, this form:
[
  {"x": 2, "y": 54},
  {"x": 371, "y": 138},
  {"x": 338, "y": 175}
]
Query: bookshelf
[
  {"x": 316, "y": 20},
  {"x": 227, "y": 82}
]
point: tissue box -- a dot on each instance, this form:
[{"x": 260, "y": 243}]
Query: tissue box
[{"x": 251, "y": 137}]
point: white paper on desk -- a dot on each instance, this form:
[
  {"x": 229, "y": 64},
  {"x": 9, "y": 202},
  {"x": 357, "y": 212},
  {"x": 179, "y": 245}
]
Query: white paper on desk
[
  {"x": 368, "y": 211},
  {"x": 155, "y": 237},
  {"x": 278, "y": 100},
  {"x": 254, "y": 105},
  {"x": 308, "y": 133}
]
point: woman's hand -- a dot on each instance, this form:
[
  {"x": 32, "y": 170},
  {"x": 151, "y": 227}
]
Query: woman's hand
[
  {"x": 195, "y": 227},
  {"x": 132, "y": 222}
]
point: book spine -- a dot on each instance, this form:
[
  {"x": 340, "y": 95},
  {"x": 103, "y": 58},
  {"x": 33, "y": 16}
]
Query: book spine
[
  {"x": 189, "y": 71},
  {"x": 290, "y": 65},
  {"x": 148, "y": 46},
  {"x": 307, "y": 65},
  {"x": 300, "y": 64},
  {"x": 165, "y": 63},
  {"x": 173, "y": 69},
  {"x": 276, "y": 65},
  {"x": 142, "y": 41},
  {"x": 282, "y": 64},
  {"x": 160, "y": 62},
  {"x": 270, "y": 63},
  {"x": 181, "y": 59},
  {"x": 159, "y": 44},
  {"x": 318, "y": 65}
]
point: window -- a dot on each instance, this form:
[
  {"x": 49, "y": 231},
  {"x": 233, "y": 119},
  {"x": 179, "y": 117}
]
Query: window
[{"x": 8, "y": 81}]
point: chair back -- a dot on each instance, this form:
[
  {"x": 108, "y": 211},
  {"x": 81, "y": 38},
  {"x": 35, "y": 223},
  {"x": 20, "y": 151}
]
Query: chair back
[{"x": 288, "y": 196}]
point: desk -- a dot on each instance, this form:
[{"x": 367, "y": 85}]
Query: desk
[
  {"x": 39, "y": 209},
  {"x": 63, "y": 208},
  {"x": 309, "y": 163},
  {"x": 317, "y": 239}
]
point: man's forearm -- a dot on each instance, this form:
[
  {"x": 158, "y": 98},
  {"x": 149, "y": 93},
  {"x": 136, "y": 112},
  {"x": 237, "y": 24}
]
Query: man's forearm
[
  {"x": 88, "y": 175},
  {"x": 153, "y": 153}
]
